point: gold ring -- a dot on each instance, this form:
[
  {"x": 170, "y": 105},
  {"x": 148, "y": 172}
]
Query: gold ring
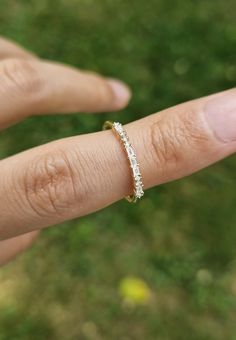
[{"x": 135, "y": 170}]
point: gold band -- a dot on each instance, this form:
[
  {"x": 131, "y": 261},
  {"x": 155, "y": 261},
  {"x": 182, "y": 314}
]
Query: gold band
[{"x": 137, "y": 178}]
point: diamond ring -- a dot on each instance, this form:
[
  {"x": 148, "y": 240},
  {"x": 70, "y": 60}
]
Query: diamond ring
[{"x": 135, "y": 170}]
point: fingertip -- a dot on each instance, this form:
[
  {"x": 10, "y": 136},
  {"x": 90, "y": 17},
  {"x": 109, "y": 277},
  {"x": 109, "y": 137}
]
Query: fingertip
[{"x": 122, "y": 93}]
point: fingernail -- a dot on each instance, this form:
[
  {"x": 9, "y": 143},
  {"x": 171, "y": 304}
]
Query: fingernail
[
  {"x": 121, "y": 92},
  {"x": 221, "y": 116}
]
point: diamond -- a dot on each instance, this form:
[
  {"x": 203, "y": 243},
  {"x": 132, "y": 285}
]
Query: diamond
[
  {"x": 126, "y": 142},
  {"x": 133, "y": 161},
  {"x": 136, "y": 170},
  {"x": 118, "y": 128},
  {"x": 130, "y": 151},
  {"x": 138, "y": 184},
  {"x": 139, "y": 192}
]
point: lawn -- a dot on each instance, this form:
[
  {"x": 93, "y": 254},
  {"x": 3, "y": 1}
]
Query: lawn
[{"x": 164, "y": 269}]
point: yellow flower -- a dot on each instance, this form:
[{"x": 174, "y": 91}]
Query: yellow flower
[{"x": 134, "y": 290}]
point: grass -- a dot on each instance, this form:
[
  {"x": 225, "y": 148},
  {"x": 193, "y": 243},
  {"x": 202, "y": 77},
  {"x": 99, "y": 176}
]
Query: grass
[{"x": 180, "y": 240}]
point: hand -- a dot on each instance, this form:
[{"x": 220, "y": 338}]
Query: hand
[
  {"x": 75, "y": 176},
  {"x": 29, "y": 86}
]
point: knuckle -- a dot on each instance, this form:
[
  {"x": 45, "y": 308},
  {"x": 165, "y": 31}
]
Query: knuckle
[
  {"x": 20, "y": 77},
  {"x": 163, "y": 143},
  {"x": 50, "y": 185},
  {"x": 172, "y": 137}
]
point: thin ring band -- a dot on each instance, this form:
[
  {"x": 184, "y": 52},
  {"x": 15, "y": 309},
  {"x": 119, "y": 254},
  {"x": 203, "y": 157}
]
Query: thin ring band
[{"x": 137, "y": 178}]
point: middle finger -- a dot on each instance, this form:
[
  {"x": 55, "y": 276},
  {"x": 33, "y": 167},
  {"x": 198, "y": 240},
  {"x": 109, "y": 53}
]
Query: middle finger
[{"x": 32, "y": 87}]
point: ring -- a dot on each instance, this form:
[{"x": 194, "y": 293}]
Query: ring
[{"x": 135, "y": 170}]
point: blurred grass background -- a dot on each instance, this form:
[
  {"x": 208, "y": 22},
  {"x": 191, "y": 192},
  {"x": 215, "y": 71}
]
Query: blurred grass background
[{"x": 80, "y": 280}]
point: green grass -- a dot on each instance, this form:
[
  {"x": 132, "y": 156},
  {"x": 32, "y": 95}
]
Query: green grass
[{"x": 180, "y": 239}]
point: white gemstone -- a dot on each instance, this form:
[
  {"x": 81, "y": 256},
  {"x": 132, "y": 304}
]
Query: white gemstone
[
  {"x": 133, "y": 159},
  {"x": 119, "y": 128},
  {"x": 126, "y": 141},
  {"x": 130, "y": 151},
  {"x": 133, "y": 162},
  {"x": 136, "y": 170},
  {"x": 139, "y": 193},
  {"x": 138, "y": 184}
]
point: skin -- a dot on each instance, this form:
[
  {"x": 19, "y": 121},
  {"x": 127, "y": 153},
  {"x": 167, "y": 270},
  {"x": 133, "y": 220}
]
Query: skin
[{"x": 76, "y": 176}]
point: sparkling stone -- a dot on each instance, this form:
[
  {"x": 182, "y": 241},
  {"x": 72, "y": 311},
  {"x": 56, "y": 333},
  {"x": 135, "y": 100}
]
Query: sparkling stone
[
  {"x": 130, "y": 151},
  {"x": 139, "y": 193},
  {"x": 118, "y": 128},
  {"x": 133, "y": 161},
  {"x": 136, "y": 171},
  {"x": 138, "y": 184}
]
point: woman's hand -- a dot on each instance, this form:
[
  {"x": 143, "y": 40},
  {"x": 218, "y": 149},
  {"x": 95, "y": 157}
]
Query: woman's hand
[
  {"x": 29, "y": 86},
  {"x": 75, "y": 176}
]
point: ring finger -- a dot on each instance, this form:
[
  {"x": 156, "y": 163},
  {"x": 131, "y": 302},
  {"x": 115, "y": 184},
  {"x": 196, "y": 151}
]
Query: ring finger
[{"x": 78, "y": 175}]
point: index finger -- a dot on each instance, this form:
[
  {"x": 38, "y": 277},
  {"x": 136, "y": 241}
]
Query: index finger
[{"x": 78, "y": 175}]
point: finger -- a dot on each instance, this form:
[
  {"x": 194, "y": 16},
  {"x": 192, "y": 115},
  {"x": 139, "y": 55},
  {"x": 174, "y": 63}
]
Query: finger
[
  {"x": 29, "y": 87},
  {"x": 9, "y": 49},
  {"x": 79, "y": 175},
  {"x": 10, "y": 248}
]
